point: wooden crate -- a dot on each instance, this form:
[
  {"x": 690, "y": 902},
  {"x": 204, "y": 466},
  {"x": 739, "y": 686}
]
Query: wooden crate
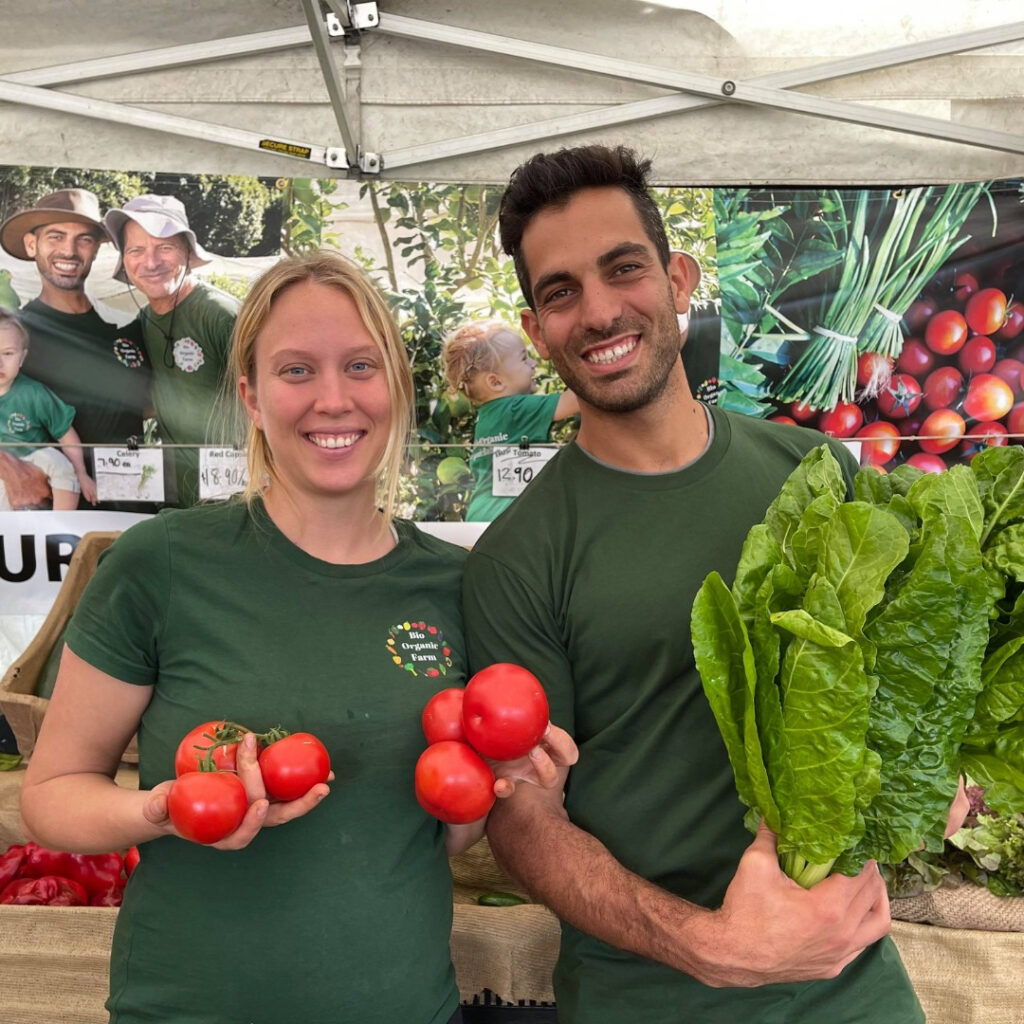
[{"x": 19, "y": 699}]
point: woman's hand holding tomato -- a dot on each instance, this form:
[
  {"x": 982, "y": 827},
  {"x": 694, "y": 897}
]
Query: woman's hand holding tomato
[{"x": 260, "y": 812}]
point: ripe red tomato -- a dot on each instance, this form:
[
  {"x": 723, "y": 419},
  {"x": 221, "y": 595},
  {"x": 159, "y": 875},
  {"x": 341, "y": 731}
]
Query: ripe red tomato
[
  {"x": 977, "y": 356},
  {"x": 988, "y": 397},
  {"x": 942, "y": 387},
  {"x": 504, "y": 711},
  {"x": 131, "y": 860},
  {"x": 802, "y": 412},
  {"x": 782, "y": 419},
  {"x": 910, "y": 427},
  {"x": 982, "y": 435},
  {"x": 442, "y": 716},
  {"x": 946, "y": 332},
  {"x": 842, "y": 421},
  {"x": 965, "y": 285},
  {"x": 292, "y": 766},
  {"x": 900, "y": 398},
  {"x": 1014, "y": 322},
  {"x": 916, "y": 358},
  {"x": 454, "y": 783},
  {"x": 919, "y": 313},
  {"x": 873, "y": 371},
  {"x": 985, "y": 311},
  {"x": 1012, "y": 371},
  {"x": 214, "y": 742},
  {"x": 927, "y": 463},
  {"x": 207, "y": 806},
  {"x": 941, "y": 431},
  {"x": 881, "y": 443}
]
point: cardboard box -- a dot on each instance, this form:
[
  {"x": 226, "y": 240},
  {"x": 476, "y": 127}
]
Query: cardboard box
[{"x": 20, "y": 701}]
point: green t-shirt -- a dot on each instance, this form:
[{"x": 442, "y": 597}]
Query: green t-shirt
[
  {"x": 344, "y": 914},
  {"x": 31, "y": 412},
  {"x": 97, "y": 367},
  {"x": 588, "y": 580},
  {"x": 504, "y": 421},
  {"x": 188, "y": 349}
]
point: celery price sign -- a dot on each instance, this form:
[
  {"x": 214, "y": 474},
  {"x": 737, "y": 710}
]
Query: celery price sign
[
  {"x": 222, "y": 472},
  {"x": 126, "y": 474},
  {"x": 515, "y": 467}
]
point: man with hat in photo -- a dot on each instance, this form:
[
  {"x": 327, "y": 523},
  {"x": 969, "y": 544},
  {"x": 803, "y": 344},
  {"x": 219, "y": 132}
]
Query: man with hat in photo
[
  {"x": 95, "y": 366},
  {"x": 186, "y": 325}
]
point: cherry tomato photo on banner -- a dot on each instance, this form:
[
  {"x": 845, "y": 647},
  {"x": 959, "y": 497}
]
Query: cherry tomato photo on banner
[
  {"x": 977, "y": 356},
  {"x": 881, "y": 442},
  {"x": 919, "y": 313},
  {"x": 965, "y": 284},
  {"x": 1015, "y": 423},
  {"x": 941, "y": 431},
  {"x": 946, "y": 332},
  {"x": 980, "y": 436},
  {"x": 292, "y": 766},
  {"x": 802, "y": 412},
  {"x": 1014, "y": 322},
  {"x": 207, "y": 806},
  {"x": 942, "y": 387},
  {"x": 782, "y": 419},
  {"x": 842, "y": 421},
  {"x": 873, "y": 370},
  {"x": 985, "y": 311},
  {"x": 915, "y": 358},
  {"x": 454, "y": 783},
  {"x": 900, "y": 398},
  {"x": 988, "y": 397},
  {"x": 1012, "y": 371},
  {"x": 442, "y": 716},
  {"x": 927, "y": 463},
  {"x": 504, "y": 711},
  {"x": 214, "y": 742}
]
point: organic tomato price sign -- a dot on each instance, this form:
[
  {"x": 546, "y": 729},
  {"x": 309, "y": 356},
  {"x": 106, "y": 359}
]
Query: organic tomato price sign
[{"x": 515, "y": 467}]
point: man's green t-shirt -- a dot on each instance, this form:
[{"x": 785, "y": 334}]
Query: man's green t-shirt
[
  {"x": 343, "y": 914},
  {"x": 504, "y": 421},
  {"x": 188, "y": 349},
  {"x": 95, "y": 366},
  {"x": 588, "y": 581},
  {"x": 31, "y": 412}
]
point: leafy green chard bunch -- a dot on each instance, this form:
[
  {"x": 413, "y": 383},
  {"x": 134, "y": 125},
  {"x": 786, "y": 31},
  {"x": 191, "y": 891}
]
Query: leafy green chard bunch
[{"x": 843, "y": 664}]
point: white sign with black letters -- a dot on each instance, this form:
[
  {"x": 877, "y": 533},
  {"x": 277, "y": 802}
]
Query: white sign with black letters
[
  {"x": 222, "y": 472},
  {"x": 515, "y": 467},
  {"x": 129, "y": 474}
]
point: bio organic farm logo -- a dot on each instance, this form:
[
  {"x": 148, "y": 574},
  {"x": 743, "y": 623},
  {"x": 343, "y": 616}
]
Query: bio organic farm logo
[{"x": 419, "y": 649}]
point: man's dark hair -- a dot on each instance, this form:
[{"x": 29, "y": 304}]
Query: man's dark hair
[{"x": 552, "y": 179}]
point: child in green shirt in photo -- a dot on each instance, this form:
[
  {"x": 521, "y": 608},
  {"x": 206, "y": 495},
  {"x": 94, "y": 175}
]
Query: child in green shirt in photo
[
  {"x": 31, "y": 413},
  {"x": 488, "y": 362}
]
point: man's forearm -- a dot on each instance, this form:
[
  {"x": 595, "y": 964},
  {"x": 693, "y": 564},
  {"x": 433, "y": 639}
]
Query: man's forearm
[{"x": 574, "y": 874}]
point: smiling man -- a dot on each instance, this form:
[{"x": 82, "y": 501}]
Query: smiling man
[
  {"x": 92, "y": 365},
  {"x": 670, "y": 913},
  {"x": 186, "y": 325}
]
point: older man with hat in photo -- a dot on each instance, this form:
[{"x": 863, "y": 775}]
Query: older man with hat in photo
[
  {"x": 186, "y": 325},
  {"x": 95, "y": 366}
]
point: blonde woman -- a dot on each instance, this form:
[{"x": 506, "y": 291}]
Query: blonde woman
[{"x": 306, "y": 605}]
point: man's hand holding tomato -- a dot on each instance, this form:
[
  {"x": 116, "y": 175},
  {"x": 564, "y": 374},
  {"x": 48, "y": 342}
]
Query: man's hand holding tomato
[
  {"x": 539, "y": 767},
  {"x": 261, "y": 812}
]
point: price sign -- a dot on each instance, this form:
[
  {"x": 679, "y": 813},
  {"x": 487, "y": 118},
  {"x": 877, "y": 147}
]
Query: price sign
[
  {"x": 222, "y": 472},
  {"x": 126, "y": 474},
  {"x": 856, "y": 447},
  {"x": 515, "y": 467}
]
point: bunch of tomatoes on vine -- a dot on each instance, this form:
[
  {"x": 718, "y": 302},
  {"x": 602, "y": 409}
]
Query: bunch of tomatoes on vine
[{"x": 956, "y": 386}]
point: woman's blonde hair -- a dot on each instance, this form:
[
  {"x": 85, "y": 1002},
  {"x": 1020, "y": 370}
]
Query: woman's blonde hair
[
  {"x": 332, "y": 269},
  {"x": 478, "y": 346}
]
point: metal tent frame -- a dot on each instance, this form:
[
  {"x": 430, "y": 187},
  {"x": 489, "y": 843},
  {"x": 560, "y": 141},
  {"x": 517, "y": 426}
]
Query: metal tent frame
[{"x": 335, "y": 23}]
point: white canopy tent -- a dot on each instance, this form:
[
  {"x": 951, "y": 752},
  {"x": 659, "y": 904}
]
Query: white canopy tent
[{"x": 727, "y": 92}]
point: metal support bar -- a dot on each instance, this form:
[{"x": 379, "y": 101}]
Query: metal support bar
[
  {"x": 712, "y": 88},
  {"x": 166, "y": 57},
  {"x": 51, "y": 99},
  {"x": 335, "y": 87},
  {"x": 662, "y": 106}
]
